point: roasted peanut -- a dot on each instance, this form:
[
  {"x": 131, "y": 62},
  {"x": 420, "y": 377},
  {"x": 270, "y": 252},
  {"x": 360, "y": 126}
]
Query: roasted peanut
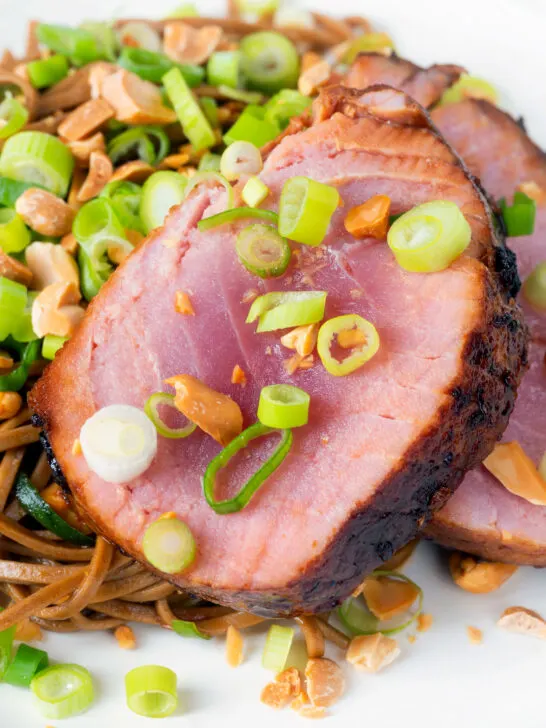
[
  {"x": 388, "y": 597},
  {"x": 55, "y": 310},
  {"x": 83, "y": 148},
  {"x": 96, "y": 75},
  {"x": 125, "y": 637},
  {"x": 15, "y": 271},
  {"x": 100, "y": 173},
  {"x": 523, "y": 621},
  {"x": 50, "y": 263},
  {"x": 44, "y": 212},
  {"x": 475, "y": 635},
  {"x": 234, "y": 646},
  {"x": 372, "y": 652},
  {"x": 476, "y": 577},
  {"x": 10, "y": 404},
  {"x": 183, "y": 304},
  {"x": 135, "y": 171},
  {"x": 78, "y": 178},
  {"x": 314, "y": 77},
  {"x": 371, "y": 219},
  {"x": 287, "y": 685},
  {"x": 238, "y": 376},
  {"x": 70, "y": 244},
  {"x": 85, "y": 120},
  {"x": 185, "y": 44},
  {"x": 512, "y": 467},
  {"x": 303, "y": 339},
  {"x": 325, "y": 681},
  {"x": 135, "y": 101}
]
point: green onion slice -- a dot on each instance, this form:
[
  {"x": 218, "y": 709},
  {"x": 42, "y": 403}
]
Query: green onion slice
[
  {"x": 430, "y": 237},
  {"x": 210, "y": 109},
  {"x": 62, "y": 691},
  {"x": 254, "y": 192},
  {"x": 125, "y": 197},
  {"x": 282, "y": 406},
  {"x": 237, "y": 94},
  {"x": 152, "y": 410},
  {"x": 236, "y": 213},
  {"x": 22, "y": 330},
  {"x": 169, "y": 545},
  {"x": 151, "y": 691},
  {"x": 240, "y": 158},
  {"x": 188, "y": 629},
  {"x": 519, "y": 217},
  {"x": 534, "y": 288},
  {"x": 91, "y": 279},
  {"x": 38, "y": 158},
  {"x": 11, "y": 190},
  {"x": 152, "y": 66},
  {"x": 137, "y": 139},
  {"x": 284, "y": 106},
  {"x": 28, "y": 661},
  {"x": 51, "y": 345},
  {"x": 262, "y": 251},
  {"x": 223, "y": 69},
  {"x": 287, "y": 309},
  {"x": 78, "y": 44},
  {"x": 97, "y": 223},
  {"x": 16, "y": 379},
  {"x": 47, "y": 72},
  {"x": 6, "y": 647},
  {"x": 305, "y": 210},
  {"x": 368, "y": 43},
  {"x": 269, "y": 62},
  {"x": 105, "y": 37},
  {"x": 205, "y": 178},
  {"x": 255, "y": 482},
  {"x": 469, "y": 87},
  {"x": 360, "y": 354},
  {"x": 33, "y": 504},
  {"x": 194, "y": 122},
  {"x": 251, "y": 126},
  {"x": 14, "y": 234},
  {"x": 161, "y": 191},
  {"x": 13, "y": 299},
  {"x": 210, "y": 162},
  {"x": 277, "y": 648},
  {"x": 13, "y": 116}
]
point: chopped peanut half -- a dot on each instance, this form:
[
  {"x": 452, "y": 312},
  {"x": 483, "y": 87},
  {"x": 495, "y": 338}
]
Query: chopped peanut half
[
  {"x": 174, "y": 161},
  {"x": 305, "y": 708},
  {"x": 351, "y": 338},
  {"x": 134, "y": 236},
  {"x": 70, "y": 244},
  {"x": 45, "y": 212},
  {"x": 424, "y": 622},
  {"x": 325, "y": 681},
  {"x": 286, "y": 686},
  {"x": 82, "y": 148},
  {"x": 371, "y": 219},
  {"x": 6, "y": 361},
  {"x": 238, "y": 376},
  {"x": 117, "y": 253},
  {"x": 85, "y": 120},
  {"x": 54, "y": 310},
  {"x": 27, "y": 631},
  {"x": 135, "y": 101},
  {"x": 388, "y": 597},
  {"x": 534, "y": 191},
  {"x": 50, "y": 263},
  {"x": 183, "y": 304},
  {"x": 314, "y": 77},
  {"x": 234, "y": 646},
  {"x": 10, "y": 404},
  {"x": 15, "y": 271},
  {"x": 475, "y": 635},
  {"x": 523, "y": 621},
  {"x": 215, "y": 413},
  {"x": 476, "y": 577},
  {"x": 96, "y": 75},
  {"x": 100, "y": 173},
  {"x": 125, "y": 637},
  {"x": 78, "y": 178},
  {"x": 372, "y": 652},
  {"x": 401, "y": 556},
  {"x": 297, "y": 362},
  {"x": 512, "y": 467},
  {"x": 314, "y": 639},
  {"x": 310, "y": 59},
  {"x": 185, "y": 44},
  {"x": 135, "y": 171},
  {"x": 303, "y": 339}
]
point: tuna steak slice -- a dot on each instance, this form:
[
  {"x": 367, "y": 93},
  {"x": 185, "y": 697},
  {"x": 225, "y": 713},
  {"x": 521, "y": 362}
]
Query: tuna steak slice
[
  {"x": 384, "y": 447},
  {"x": 483, "y": 518}
]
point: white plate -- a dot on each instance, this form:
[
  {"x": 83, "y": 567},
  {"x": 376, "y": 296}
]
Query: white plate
[{"x": 441, "y": 681}]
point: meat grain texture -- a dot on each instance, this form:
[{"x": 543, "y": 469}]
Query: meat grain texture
[{"x": 385, "y": 446}]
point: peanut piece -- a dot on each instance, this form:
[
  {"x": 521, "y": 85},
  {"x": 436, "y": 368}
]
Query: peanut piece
[
  {"x": 314, "y": 77},
  {"x": 85, "y": 120},
  {"x": 50, "y": 263},
  {"x": 70, "y": 244},
  {"x": 512, "y": 467},
  {"x": 15, "y": 271},
  {"x": 44, "y": 212},
  {"x": 234, "y": 646},
  {"x": 479, "y": 578},
  {"x": 125, "y": 637},
  {"x": 303, "y": 339},
  {"x": 534, "y": 191},
  {"x": 54, "y": 310},
  {"x": 100, "y": 173},
  {"x": 185, "y": 44},
  {"x": 10, "y": 404},
  {"x": 474, "y": 635},
  {"x": 135, "y": 171},
  {"x": 238, "y": 376},
  {"x": 388, "y": 597},
  {"x": 523, "y": 621},
  {"x": 183, "y": 304},
  {"x": 325, "y": 681},
  {"x": 372, "y": 652},
  {"x": 82, "y": 148},
  {"x": 135, "y": 101},
  {"x": 287, "y": 685}
]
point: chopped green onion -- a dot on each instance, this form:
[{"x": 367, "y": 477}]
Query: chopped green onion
[
  {"x": 277, "y": 648},
  {"x": 284, "y": 106},
  {"x": 519, "y": 218},
  {"x": 152, "y": 66},
  {"x": 137, "y": 139},
  {"x": 285, "y": 310},
  {"x": 534, "y": 288},
  {"x": 6, "y": 647},
  {"x": 194, "y": 123},
  {"x": 51, "y": 345},
  {"x": 282, "y": 406},
  {"x": 91, "y": 280},
  {"x": 237, "y": 94},
  {"x": 186, "y": 10},
  {"x": 204, "y": 177},
  {"x": 151, "y": 408},
  {"x": 469, "y": 87},
  {"x": 151, "y": 691},
  {"x": 210, "y": 107},
  {"x": 288, "y": 16},
  {"x": 78, "y": 44},
  {"x": 32, "y": 502},
  {"x": 257, "y": 7},
  {"x": 252, "y": 127},
  {"x": 28, "y": 661},
  {"x": 96, "y": 217},
  {"x": 210, "y": 162},
  {"x": 140, "y": 33},
  {"x": 305, "y": 210},
  {"x": 47, "y": 72},
  {"x": 16, "y": 379},
  {"x": 11, "y": 190},
  {"x": 169, "y": 545},
  {"x": 14, "y": 234},
  {"x": 223, "y": 68},
  {"x": 429, "y": 237},
  {"x": 62, "y": 691},
  {"x": 255, "y": 482},
  {"x": 22, "y": 330},
  {"x": 361, "y": 353},
  {"x": 236, "y": 213},
  {"x": 38, "y": 158},
  {"x": 254, "y": 192},
  {"x": 240, "y": 158},
  {"x": 13, "y": 299},
  {"x": 13, "y": 116},
  {"x": 161, "y": 191},
  {"x": 188, "y": 629},
  {"x": 269, "y": 62},
  {"x": 125, "y": 197},
  {"x": 106, "y": 38},
  {"x": 263, "y": 251},
  {"x": 368, "y": 43}
]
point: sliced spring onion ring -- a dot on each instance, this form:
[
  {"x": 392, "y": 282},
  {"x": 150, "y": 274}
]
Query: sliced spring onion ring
[
  {"x": 205, "y": 178},
  {"x": 161, "y": 191},
  {"x": 78, "y": 44},
  {"x": 14, "y": 234},
  {"x": 369, "y": 43},
  {"x": 6, "y": 647},
  {"x": 137, "y": 138},
  {"x": 430, "y": 237},
  {"x": 51, "y": 345},
  {"x": 305, "y": 210},
  {"x": 152, "y": 66},
  {"x": 143, "y": 34},
  {"x": 470, "y": 87},
  {"x": 105, "y": 37},
  {"x": 209, "y": 162},
  {"x": 241, "y": 158},
  {"x": 151, "y": 409},
  {"x": 236, "y": 213},
  {"x": 95, "y": 219},
  {"x": 360, "y": 355},
  {"x": 62, "y": 691},
  {"x": 13, "y": 299},
  {"x": 194, "y": 122},
  {"x": 210, "y": 108},
  {"x": 282, "y": 406},
  {"x": 237, "y": 94},
  {"x": 519, "y": 217},
  {"x": 254, "y": 192},
  {"x": 269, "y": 62},
  {"x": 91, "y": 279},
  {"x": 169, "y": 545},
  {"x": 255, "y": 482},
  {"x": 277, "y": 647},
  {"x": 534, "y": 288},
  {"x": 13, "y": 116},
  {"x": 125, "y": 197},
  {"x": 38, "y": 158},
  {"x": 16, "y": 379},
  {"x": 48, "y": 71},
  {"x": 151, "y": 691},
  {"x": 22, "y": 330},
  {"x": 287, "y": 309},
  {"x": 251, "y": 126},
  {"x": 262, "y": 251},
  {"x": 32, "y": 503},
  {"x": 28, "y": 661},
  {"x": 284, "y": 106},
  {"x": 11, "y": 190},
  {"x": 223, "y": 69},
  {"x": 188, "y": 629}
]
